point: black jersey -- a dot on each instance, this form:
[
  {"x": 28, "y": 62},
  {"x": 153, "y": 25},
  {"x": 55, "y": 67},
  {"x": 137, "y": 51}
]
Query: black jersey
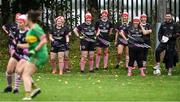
[
  {"x": 122, "y": 27},
  {"x": 20, "y": 39},
  {"x": 104, "y": 27},
  {"x": 60, "y": 34},
  {"x": 135, "y": 34},
  {"x": 87, "y": 30}
]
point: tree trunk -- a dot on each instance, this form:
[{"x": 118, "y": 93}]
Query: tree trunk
[{"x": 161, "y": 10}]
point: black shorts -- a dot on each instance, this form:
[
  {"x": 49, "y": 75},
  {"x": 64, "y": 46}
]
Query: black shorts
[
  {"x": 87, "y": 46},
  {"x": 121, "y": 41},
  {"x": 67, "y": 46},
  {"x": 60, "y": 48},
  {"x": 100, "y": 44},
  {"x": 19, "y": 56}
]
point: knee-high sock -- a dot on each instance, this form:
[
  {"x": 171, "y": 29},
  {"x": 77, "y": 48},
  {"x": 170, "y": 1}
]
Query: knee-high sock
[
  {"x": 61, "y": 66},
  {"x": 98, "y": 57},
  {"x": 53, "y": 64},
  {"x": 82, "y": 64},
  {"x": 142, "y": 71},
  {"x": 127, "y": 61},
  {"x": 9, "y": 79},
  {"x": 130, "y": 71},
  {"x": 106, "y": 60},
  {"x": 66, "y": 64},
  {"x": 17, "y": 81},
  {"x": 91, "y": 63}
]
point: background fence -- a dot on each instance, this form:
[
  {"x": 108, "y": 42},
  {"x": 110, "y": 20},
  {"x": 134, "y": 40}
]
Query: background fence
[{"x": 74, "y": 10}]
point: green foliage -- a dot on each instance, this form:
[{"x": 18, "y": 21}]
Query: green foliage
[{"x": 61, "y": 8}]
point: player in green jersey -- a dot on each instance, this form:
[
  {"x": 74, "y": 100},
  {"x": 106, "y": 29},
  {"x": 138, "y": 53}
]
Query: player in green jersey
[{"x": 38, "y": 54}]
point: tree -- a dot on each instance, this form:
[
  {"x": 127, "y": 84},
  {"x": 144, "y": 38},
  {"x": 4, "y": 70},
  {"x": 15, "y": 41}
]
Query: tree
[
  {"x": 5, "y": 11},
  {"x": 23, "y": 6},
  {"x": 161, "y": 10}
]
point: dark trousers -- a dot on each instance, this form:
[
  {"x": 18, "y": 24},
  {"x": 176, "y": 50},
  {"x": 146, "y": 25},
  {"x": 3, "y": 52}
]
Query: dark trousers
[
  {"x": 145, "y": 54},
  {"x": 161, "y": 47},
  {"x": 135, "y": 54}
]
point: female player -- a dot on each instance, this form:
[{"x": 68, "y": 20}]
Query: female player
[
  {"x": 136, "y": 44},
  {"x": 87, "y": 42},
  {"x": 104, "y": 30},
  {"x": 18, "y": 37},
  {"x": 38, "y": 53},
  {"x": 146, "y": 37},
  {"x": 59, "y": 37},
  {"x": 120, "y": 40}
]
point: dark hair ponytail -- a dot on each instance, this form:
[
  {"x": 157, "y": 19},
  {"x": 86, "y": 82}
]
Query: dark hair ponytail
[{"x": 34, "y": 15}]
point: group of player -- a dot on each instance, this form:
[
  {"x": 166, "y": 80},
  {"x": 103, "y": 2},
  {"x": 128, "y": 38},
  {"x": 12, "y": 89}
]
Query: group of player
[
  {"x": 28, "y": 48},
  {"x": 96, "y": 36},
  {"x": 28, "y": 51}
]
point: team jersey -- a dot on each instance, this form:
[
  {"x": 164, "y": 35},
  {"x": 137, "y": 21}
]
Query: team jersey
[
  {"x": 60, "y": 34},
  {"x": 87, "y": 30},
  {"x": 122, "y": 27},
  {"x": 135, "y": 33},
  {"x": 41, "y": 56},
  {"x": 104, "y": 27},
  {"x": 37, "y": 32},
  {"x": 20, "y": 39}
]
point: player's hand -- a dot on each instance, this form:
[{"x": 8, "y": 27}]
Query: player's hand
[
  {"x": 55, "y": 43},
  {"x": 115, "y": 43},
  {"x": 95, "y": 37},
  {"x": 32, "y": 52},
  {"x": 81, "y": 37},
  {"x": 52, "y": 40},
  {"x": 25, "y": 51}
]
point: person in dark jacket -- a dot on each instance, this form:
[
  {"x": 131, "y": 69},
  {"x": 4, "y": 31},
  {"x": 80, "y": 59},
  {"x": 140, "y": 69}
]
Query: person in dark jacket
[{"x": 167, "y": 38}]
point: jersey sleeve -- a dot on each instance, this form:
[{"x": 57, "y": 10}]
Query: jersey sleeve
[
  {"x": 80, "y": 27},
  {"x": 67, "y": 30},
  {"x": 111, "y": 25},
  {"x": 97, "y": 25}
]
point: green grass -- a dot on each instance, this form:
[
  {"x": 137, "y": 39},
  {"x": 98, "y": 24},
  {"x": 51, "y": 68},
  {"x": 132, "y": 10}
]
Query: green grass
[{"x": 112, "y": 85}]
